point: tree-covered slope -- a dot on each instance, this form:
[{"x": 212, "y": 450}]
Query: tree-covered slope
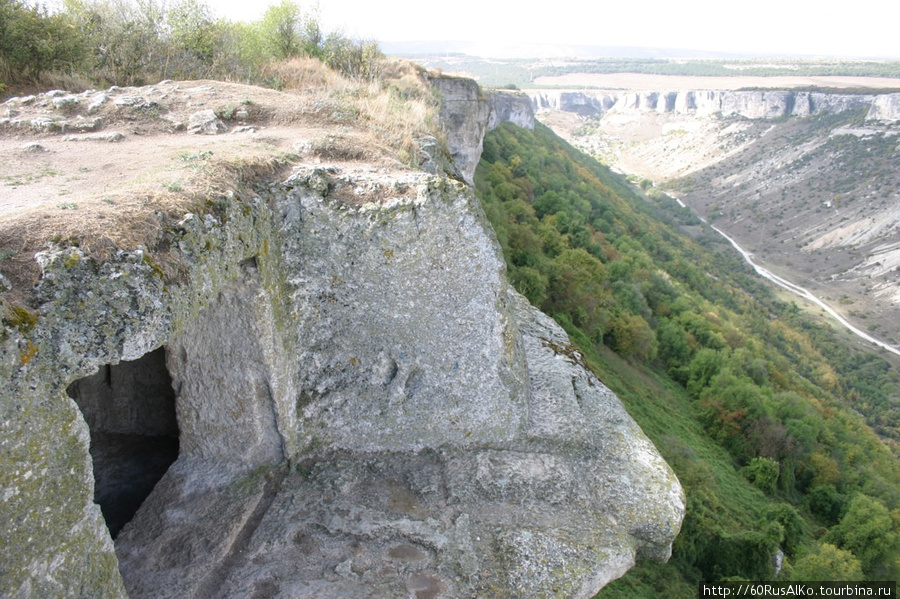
[{"x": 744, "y": 397}]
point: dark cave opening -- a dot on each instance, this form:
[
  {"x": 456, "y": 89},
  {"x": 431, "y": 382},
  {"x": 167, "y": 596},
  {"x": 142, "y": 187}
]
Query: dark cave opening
[{"x": 130, "y": 410}]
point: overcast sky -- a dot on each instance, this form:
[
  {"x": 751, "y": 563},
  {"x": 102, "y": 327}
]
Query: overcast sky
[{"x": 798, "y": 27}]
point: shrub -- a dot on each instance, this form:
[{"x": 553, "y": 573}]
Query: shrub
[
  {"x": 32, "y": 41},
  {"x": 828, "y": 563},
  {"x": 762, "y": 472}
]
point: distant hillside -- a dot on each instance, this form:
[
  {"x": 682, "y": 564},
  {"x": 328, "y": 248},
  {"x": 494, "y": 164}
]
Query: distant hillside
[
  {"x": 543, "y": 50},
  {"x": 555, "y": 61},
  {"x": 805, "y": 181},
  {"x": 747, "y": 398}
]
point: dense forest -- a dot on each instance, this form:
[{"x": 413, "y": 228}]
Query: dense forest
[{"x": 744, "y": 396}]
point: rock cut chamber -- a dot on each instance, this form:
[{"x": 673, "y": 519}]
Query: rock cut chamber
[{"x": 130, "y": 410}]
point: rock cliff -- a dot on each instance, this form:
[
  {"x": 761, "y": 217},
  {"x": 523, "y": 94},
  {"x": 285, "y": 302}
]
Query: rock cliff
[
  {"x": 886, "y": 107},
  {"x": 749, "y": 104},
  {"x": 356, "y": 401},
  {"x": 468, "y": 112},
  {"x": 812, "y": 198}
]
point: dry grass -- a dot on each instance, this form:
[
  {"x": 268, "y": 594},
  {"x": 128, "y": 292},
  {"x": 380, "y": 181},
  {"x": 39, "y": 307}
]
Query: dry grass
[
  {"x": 393, "y": 110},
  {"x": 12, "y": 83},
  {"x": 303, "y": 74},
  {"x": 129, "y": 219},
  {"x": 342, "y": 120}
]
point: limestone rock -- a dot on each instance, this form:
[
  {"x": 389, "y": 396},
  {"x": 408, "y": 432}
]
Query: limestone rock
[
  {"x": 510, "y": 107},
  {"x": 771, "y": 104},
  {"x": 581, "y": 103},
  {"x": 886, "y": 107},
  {"x": 107, "y": 136},
  {"x": 363, "y": 407},
  {"x": 464, "y": 116},
  {"x": 205, "y": 122},
  {"x": 468, "y": 112}
]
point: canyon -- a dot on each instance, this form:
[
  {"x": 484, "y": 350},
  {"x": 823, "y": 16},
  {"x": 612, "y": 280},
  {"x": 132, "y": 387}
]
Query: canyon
[{"x": 805, "y": 181}]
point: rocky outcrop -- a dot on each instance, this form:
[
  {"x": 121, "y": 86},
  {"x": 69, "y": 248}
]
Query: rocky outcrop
[
  {"x": 468, "y": 112},
  {"x": 886, "y": 107},
  {"x": 748, "y": 104},
  {"x": 364, "y": 407},
  {"x": 509, "y": 107}
]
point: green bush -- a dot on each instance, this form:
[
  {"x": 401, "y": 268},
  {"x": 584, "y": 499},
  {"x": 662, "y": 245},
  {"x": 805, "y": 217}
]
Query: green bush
[
  {"x": 134, "y": 42},
  {"x": 33, "y": 41},
  {"x": 828, "y": 562}
]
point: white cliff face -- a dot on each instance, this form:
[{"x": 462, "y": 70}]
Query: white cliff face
[
  {"x": 510, "y": 107},
  {"x": 364, "y": 407},
  {"x": 468, "y": 112},
  {"x": 748, "y": 104},
  {"x": 886, "y": 107}
]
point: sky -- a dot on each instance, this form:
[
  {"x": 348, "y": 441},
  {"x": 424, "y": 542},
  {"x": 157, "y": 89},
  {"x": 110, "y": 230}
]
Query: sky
[{"x": 795, "y": 27}]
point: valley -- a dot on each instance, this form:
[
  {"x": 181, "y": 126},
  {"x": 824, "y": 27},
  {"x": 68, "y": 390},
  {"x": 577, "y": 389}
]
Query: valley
[
  {"x": 326, "y": 323},
  {"x": 811, "y": 192}
]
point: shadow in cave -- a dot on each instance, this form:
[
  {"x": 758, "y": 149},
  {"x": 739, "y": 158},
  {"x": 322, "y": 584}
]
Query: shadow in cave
[{"x": 130, "y": 410}]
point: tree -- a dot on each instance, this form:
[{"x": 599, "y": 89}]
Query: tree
[
  {"x": 762, "y": 472},
  {"x": 868, "y": 531},
  {"x": 194, "y": 40},
  {"x": 124, "y": 38},
  {"x": 632, "y": 337},
  {"x": 828, "y": 563},
  {"x": 33, "y": 41},
  {"x": 703, "y": 367},
  {"x": 282, "y": 26},
  {"x": 530, "y": 283}
]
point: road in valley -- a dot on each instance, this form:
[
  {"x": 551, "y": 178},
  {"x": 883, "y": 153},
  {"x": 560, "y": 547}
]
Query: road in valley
[{"x": 806, "y": 294}]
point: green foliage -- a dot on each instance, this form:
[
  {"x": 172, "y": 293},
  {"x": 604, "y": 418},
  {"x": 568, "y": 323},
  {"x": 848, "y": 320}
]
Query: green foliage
[
  {"x": 284, "y": 28},
  {"x": 33, "y": 41},
  {"x": 743, "y": 397},
  {"x": 134, "y": 42},
  {"x": 826, "y": 503},
  {"x": 762, "y": 472},
  {"x": 289, "y": 32},
  {"x": 123, "y": 40},
  {"x": 869, "y": 533},
  {"x": 195, "y": 40},
  {"x": 828, "y": 562}
]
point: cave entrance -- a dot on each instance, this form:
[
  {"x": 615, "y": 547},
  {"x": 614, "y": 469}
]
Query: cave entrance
[{"x": 130, "y": 410}]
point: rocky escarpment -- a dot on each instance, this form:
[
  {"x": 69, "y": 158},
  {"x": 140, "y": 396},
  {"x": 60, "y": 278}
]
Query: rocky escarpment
[
  {"x": 468, "y": 112},
  {"x": 886, "y": 107},
  {"x": 812, "y": 196},
  {"x": 749, "y": 104},
  {"x": 359, "y": 405}
]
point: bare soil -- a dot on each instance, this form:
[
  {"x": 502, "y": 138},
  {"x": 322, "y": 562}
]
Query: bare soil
[{"x": 104, "y": 170}]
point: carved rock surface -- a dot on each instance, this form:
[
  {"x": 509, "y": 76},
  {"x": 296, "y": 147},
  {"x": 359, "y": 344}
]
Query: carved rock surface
[{"x": 365, "y": 408}]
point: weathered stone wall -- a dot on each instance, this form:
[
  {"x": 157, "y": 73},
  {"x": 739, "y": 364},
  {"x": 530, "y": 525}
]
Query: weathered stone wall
[
  {"x": 89, "y": 315},
  {"x": 364, "y": 408},
  {"x": 468, "y": 112}
]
